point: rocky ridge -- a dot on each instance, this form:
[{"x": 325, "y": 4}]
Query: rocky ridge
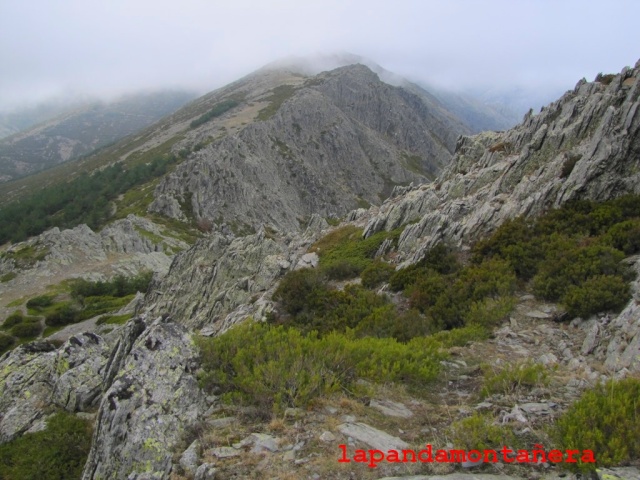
[{"x": 362, "y": 138}]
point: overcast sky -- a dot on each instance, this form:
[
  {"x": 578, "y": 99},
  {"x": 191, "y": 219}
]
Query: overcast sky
[{"x": 108, "y": 47}]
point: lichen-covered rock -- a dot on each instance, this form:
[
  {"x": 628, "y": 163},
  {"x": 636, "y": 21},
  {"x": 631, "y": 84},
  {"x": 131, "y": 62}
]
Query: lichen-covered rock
[
  {"x": 35, "y": 375},
  {"x": 218, "y": 275},
  {"x": 149, "y": 408}
]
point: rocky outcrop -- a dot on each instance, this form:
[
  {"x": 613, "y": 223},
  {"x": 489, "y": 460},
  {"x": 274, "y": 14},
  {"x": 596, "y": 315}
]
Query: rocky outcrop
[
  {"x": 585, "y": 145},
  {"x": 36, "y": 375},
  {"x": 153, "y": 402},
  {"x": 222, "y": 280},
  {"x": 332, "y": 142}
]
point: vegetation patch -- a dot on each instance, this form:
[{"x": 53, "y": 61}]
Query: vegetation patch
[
  {"x": 277, "y": 367},
  {"x": 23, "y": 257},
  {"x": 58, "y": 452},
  {"x": 513, "y": 378},
  {"x": 114, "y": 319},
  {"x": 605, "y": 420},
  {"x": 573, "y": 254},
  {"x": 217, "y": 110},
  {"x": 85, "y": 199},
  {"x": 278, "y": 96},
  {"x": 7, "y": 277}
]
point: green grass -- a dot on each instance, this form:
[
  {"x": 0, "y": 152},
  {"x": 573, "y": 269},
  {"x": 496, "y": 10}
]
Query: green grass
[
  {"x": 114, "y": 319},
  {"x": 278, "y": 96},
  {"x": 26, "y": 256},
  {"x": 217, "y": 110}
]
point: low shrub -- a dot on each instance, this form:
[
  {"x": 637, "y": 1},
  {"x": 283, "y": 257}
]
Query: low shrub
[
  {"x": 605, "y": 420},
  {"x": 480, "y": 432},
  {"x": 440, "y": 259},
  {"x": 65, "y": 314},
  {"x": 276, "y": 367},
  {"x": 376, "y": 273},
  {"x": 58, "y": 452},
  {"x": 26, "y": 330},
  {"x": 6, "y": 342},
  {"x": 596, "y": 294},
  {"x": 40, "y": 302},
  {"x": 513, "y": 378},
  {"x": 14, "y": 319},
  {"x": 624, "y": 236}
]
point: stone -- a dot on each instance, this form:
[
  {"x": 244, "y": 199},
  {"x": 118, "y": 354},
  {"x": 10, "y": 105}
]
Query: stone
[
  {"x": 263, "y": 443},
  {"x": 224, "y": 452},
  {"x": 190, "y": 458},
  {"x": 327, "y": 437},
  {"x": 206, "y": 471},
  {"x": 392, "y": 409},
  {"x": 221, "y": 422},
  {"x": 371, "y": 436}
]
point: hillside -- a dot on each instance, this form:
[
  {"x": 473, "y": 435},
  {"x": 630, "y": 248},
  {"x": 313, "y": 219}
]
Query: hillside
[
  {"x": 82, "y": 130},
  {"x": 487, "y": 305}
]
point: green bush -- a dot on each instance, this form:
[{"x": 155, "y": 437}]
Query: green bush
[
  {"x": 480, "y": 432},
  {"x": 14, "y": 319},
  {"x": 40, "y": 302},
  {"x": 26, "y": 330},
  {"x": 624, "y": 236},
  {"x": 118, "y": 286},
  {"x": 57, "y": 453},
  {"x": 276, "y": 367},
  {"x": 65, "y": 314},
  {"x": 376, "y": 273},
  {"x": 605, "y": 420},
  {"x": 6, "y": 342},
  {"x": 573, "y": 265},
  {"x": 217, "y": 110},
  {"x": 301, "y": 290},
  {"x": 345, "y": 254},
  {"x": 513, "y": 378},
  {"x": 596, "y": 294},
  {"x": 440, "y": 259}
]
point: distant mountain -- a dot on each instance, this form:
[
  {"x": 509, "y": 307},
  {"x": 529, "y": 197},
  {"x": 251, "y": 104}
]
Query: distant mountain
[{"x": 79, "y": 130}]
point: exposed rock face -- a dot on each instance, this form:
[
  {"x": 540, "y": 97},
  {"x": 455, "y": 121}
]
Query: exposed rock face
[
  {"x": 35, "y": 375},
  {"x": 153, "y": 402},
  {"x": 222, "y": 280},
  {"x": 337, "y": 139},
  {"x": 585, "y": 145}
]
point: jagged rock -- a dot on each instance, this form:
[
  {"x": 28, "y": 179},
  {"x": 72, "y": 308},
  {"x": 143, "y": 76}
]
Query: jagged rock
[
  {"x": 189, "y": 458},
  {"x": 497, "y": 176},
  {"x": 206, "y": 471},
  {"x": 327, "y": 437},
  {"x": 308, "y": 260},
  {"x": 371, "y": 436},
  {"x": 34, "y": 375},
  {"x": 152, "y": 403},
  {"x": 455, "y": 476},
  {"x": 219, "y": 275}
]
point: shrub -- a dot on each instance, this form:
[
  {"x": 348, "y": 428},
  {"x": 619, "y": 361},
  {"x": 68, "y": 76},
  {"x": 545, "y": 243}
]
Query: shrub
[
  {"x": 513, "y": 378},
  {"x": 480, "y": 432},
  {"x": 624, "y": 236},
  {"x": 301, "y": 290},
  {"x": 13, "y": 319},
  {"x": 596, "y": 294},
  {"x": 605, "y": 420},
  {"x": 376, "y": 273},
  {"x": 569, "y": 266},
  {"x": 63, "y": 315},
  {"x": 58, "y": 452},
  {"x": 6, "y": 342},
  {"x": 344, "y": 253},
  {"x": 276, "y": 367},
  {"x": 26, "y": 330},
  {"x": 217, "y": 110},
  {"x": 40, "y": 302},
  {"x": 440, "y": 259}
]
